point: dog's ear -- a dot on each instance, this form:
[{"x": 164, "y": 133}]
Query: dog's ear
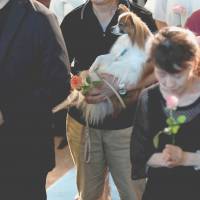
[
  {"x": 140, "y": 32},
  {"x": 122, "y": 8}
]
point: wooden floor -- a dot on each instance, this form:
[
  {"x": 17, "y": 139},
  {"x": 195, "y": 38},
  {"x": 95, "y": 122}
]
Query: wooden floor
[{"x": 63, "y": 163}]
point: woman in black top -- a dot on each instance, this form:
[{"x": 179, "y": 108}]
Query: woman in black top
[{"x": 172, "y": 166}]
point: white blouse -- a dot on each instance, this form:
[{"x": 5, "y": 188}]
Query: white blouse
[
  {"x": 63, "y": 7},
  {"x": 163, "y": 10},
  {"x": 3, "y": 3}
]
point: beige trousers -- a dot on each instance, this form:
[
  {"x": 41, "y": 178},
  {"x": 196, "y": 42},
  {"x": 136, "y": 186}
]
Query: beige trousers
[{"x": 110, "y": 149}]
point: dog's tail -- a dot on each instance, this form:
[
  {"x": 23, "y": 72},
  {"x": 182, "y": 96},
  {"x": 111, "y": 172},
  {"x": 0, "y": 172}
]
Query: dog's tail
[
  {"x": 71, "y": 100},
  {"x": 63, "y": 105}
]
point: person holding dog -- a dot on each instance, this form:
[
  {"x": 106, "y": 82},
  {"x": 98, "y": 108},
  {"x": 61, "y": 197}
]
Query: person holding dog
[
  {"x": 87, "y": 33},
  {"x": 33, "y": 79}
]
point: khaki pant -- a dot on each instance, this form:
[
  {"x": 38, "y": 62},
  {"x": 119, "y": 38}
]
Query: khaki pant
[{"x": 109, "y": 149}]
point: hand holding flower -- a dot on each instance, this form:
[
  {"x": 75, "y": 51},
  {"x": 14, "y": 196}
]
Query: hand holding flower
[
  {"x": 85, "y": 82},
  {"x": 173, "y": 155},
  {"x": 94, "y": 96},
  {"x": 102, "y": 91}
]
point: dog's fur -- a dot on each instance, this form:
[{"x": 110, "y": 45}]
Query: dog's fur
[{"x": 125, "y": 62}]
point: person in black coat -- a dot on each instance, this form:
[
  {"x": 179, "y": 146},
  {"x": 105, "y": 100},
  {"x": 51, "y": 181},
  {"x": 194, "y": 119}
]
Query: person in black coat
[{"x": 33, "y": 79}]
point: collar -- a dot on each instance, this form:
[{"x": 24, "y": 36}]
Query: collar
[
  {"x": 3, "y": 3},
  {"x": 87, "y": 3}
]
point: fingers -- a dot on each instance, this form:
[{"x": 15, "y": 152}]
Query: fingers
[
  {"x": 110, "y": 78},
  {"x": 94, "y": 99},
  {"x": 95, "y": 96},
  {"x": 169, "y": 146},
  {"x": 166, "y": 157},
  {"x": 172, "y": 155}
]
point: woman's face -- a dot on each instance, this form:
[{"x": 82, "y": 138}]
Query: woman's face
[{"x": 173, "y": 83}]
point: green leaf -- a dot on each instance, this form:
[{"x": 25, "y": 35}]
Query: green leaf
[
  {"x": 156, "y": 141},
  {"x": 181, "y": 119},
  {"x": 170, "y": 121},
  {"x": 96, "y": 83},
  {"x": 85, "y": 89},
  {"x": 175, "y": 129},
  {"x": 96, "y": 69},
  {"x": 88, "y": 79}
]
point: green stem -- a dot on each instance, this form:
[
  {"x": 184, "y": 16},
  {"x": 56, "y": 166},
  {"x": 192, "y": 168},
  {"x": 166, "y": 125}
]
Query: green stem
[{"x": 173, "y": 139}]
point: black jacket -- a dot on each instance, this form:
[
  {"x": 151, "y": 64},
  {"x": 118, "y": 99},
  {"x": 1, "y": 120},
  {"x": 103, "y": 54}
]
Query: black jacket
[{"x": 33, "y": 79}]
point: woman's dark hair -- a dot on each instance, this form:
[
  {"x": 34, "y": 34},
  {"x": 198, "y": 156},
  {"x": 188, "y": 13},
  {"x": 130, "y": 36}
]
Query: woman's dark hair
[{"x": 172, "y": 47}]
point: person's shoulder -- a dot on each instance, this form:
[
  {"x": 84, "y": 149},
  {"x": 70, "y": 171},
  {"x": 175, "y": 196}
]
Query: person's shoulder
[
  {"x": 74, "y": 16},
  {"x": 144, "y": 14},
  {"x": 153, "y": 87},
  {"x": 139, "y": 10},
  {"x": 35, "y": 7},
  {"x": 40, "y": 14},
  {"x": 146, "y": 92},
  {"x": 36, "y": 10}
]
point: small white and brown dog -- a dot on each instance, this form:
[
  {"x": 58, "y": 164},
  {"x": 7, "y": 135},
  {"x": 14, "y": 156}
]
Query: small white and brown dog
[{"x": 125, "y": 62}]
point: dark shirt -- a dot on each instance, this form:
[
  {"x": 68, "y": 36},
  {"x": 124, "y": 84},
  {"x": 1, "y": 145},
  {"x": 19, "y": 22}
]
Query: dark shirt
[
  {"x": 176, "y": 183},
  {"x": 4, "y": 15},
  {"x": 85, "y": 40}
]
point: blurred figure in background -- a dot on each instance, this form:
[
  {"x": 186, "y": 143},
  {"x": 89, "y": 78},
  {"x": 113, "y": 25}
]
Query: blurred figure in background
[
  {"x": 141, "y": 2},
  {"x": 193, "y": 23},
  {"x": 172, "y": 12},
  {"x": 63, "y": 7}
]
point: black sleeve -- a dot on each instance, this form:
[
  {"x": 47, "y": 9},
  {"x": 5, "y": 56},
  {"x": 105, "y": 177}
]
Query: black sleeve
[
  {"x": 67, "y": 31},
  {"x": 71, "y": 40},
  {"x": 140, "y": 140},
  {"x": 51, "y": 84}
]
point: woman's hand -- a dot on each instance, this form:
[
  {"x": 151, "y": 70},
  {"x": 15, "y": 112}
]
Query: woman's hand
[{"x": 173, "y": 156}]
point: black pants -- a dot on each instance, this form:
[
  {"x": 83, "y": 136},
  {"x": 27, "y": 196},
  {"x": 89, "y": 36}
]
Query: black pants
[{"x": 23, "y": 186}]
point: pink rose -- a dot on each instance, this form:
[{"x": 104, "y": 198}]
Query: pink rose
[
  {"x": 179, "y": 9},
  {"x": 172, "y": 102}
]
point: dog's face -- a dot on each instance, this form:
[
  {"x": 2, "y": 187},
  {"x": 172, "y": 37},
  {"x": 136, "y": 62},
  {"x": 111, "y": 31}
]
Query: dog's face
[
  {"x": 131, "y": 24},
  {"x": 120, "y": 28}
]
